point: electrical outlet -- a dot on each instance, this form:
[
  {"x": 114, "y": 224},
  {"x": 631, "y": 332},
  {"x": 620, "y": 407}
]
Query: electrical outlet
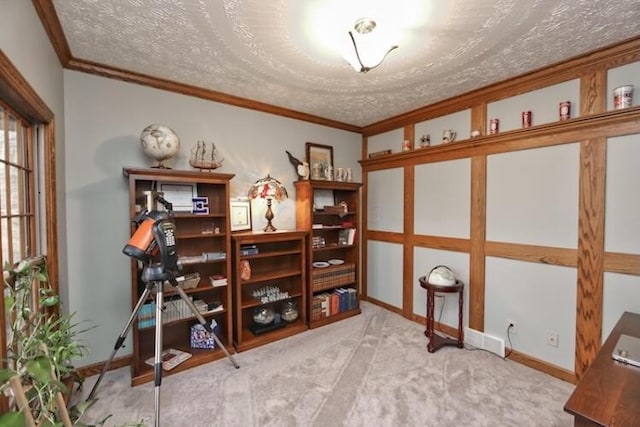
[
  {"x": 512, "y": 327},
  {"x": 552, "y": 338}
]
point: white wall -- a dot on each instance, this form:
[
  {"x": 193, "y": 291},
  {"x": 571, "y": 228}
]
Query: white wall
[
  {"x": 104, "y": 119},
  {"x": 26, "y": 44}
]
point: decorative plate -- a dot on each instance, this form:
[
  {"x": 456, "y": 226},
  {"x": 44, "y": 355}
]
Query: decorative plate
[
  {"x": 336, "y": 261},
  {"x": 321, "y": 264}
]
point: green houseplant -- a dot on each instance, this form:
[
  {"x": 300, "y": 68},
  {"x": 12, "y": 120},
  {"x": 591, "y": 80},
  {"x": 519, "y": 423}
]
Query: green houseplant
[{"x": 41, "y": 346}]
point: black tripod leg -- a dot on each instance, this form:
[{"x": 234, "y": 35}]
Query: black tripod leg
[
  {"x": 120, "y": 340},
  {"x": 204, "y": 323},
  {"x": 157, "y": 367}
]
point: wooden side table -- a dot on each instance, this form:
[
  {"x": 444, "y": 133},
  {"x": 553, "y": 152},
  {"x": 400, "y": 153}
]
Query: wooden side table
[{"x": 436, "y": 341}]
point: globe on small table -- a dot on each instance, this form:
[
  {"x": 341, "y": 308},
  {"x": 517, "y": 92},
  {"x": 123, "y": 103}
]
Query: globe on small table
[{"x": 160, "y": 143}]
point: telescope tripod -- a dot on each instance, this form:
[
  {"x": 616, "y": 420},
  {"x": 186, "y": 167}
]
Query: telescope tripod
[{"x": 158, "y": 285}]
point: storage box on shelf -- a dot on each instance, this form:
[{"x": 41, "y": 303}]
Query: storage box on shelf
[
  {"x": 203, "y": 243},
  {"x": 330, "y": 210},
  {"x": 269, "y": 281}
]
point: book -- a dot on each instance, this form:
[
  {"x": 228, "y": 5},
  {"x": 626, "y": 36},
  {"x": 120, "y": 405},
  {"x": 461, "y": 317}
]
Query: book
[{"x": 171, "y": 358}]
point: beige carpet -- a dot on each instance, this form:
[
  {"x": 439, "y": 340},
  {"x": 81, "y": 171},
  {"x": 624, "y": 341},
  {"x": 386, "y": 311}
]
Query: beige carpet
[{"x": 370, "y": 370}]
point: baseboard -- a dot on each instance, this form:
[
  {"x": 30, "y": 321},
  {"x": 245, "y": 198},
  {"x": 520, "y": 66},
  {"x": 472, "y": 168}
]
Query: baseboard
[{"x": 96, "y": 368}]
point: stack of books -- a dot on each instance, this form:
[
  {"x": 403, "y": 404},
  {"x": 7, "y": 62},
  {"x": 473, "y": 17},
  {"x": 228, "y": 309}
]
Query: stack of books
[
  {"x": 218, "y": 280},
  {"x": 328, "y": 304}
]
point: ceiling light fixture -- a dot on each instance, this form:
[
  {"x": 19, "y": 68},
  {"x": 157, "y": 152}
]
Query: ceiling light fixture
[{"x": 369, "y": 55}]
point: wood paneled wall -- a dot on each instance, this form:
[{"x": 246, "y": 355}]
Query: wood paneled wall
[{"x": 591, "y": 130}]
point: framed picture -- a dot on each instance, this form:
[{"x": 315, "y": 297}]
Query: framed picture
[
  {"x": 320, "y": 158},
  {"x": 240, "y": 215},
  {"x": 181, "y": 195}
]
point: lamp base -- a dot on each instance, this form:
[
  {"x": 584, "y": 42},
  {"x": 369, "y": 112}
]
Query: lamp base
[{"x": 269, "y": 216}]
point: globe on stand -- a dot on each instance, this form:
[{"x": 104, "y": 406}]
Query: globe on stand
[{"x": 159, "y": 143}]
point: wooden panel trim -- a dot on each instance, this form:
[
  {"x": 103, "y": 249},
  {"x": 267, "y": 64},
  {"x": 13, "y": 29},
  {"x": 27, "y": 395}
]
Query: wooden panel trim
[
  {"x": 542, "y": 366},
  {"x": 409, "y": 135},
  {"x": 198, "y": 92},
  {"x": 591, "y": 250},
  {"x": 20, "y": 95},
  {"x": 478, "y": 230},
  {"x": 386, "y": 306},
  {"x": 616, "y": 262},
  {"x": 532, "y": 253},
  {"x": 593, "y": 89},
  {"x": 479, "y": 118},
  {"x": 407, "y": 249},
  {"x": 96, "y": 368},
  {"x": 364, "y": 217},
  {"x": 615, "y": 55},
  {"x": 438, "y": 242},
  {"x": 49, "y": 18},
  {"x": 384, "y": 236},
  {"x": 608, "y": 124},
  {"x": 51, "y": 204}
]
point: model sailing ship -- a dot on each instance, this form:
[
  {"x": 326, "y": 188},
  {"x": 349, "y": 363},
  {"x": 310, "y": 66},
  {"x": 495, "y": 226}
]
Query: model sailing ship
[{"x": 204, "y": 156}]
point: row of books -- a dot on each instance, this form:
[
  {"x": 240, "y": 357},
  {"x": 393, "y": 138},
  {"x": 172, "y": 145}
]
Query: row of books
[
  {"x": 173, "y": 309},
  {"x": 328, "y": 304}
]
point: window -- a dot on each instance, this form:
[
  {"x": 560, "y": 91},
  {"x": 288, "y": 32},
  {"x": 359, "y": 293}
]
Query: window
[{"x": 17, "y": 190}]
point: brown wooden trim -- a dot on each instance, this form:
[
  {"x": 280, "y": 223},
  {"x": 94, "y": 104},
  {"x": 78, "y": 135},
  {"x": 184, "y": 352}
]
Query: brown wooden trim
[
  {"x": 18, "y": 93},
  {"x": 386, "y": 306},
  {"x": 409, "y": 135},
  {"x": 532, "y": 253},
  {"x": 608, "y": 124},
  {"x": 444, "y": 243},
  {"x": 591, "y": 250},
  {"x": 593, "y": 88},
  {"x": 407, "y": 248},
  {"x": 364, "y": 218},
  {"x": 611, "y": 56},
  {"x": 51, "y": 204},
  {"x": 96, "y": 368},
  {"x": 622, "y": 263},
  {"x": 542, "y": 366},
  {"x": 477, "y": 238},
  {"x": 49, "y": 18},
  {"x": 384, "y": 236},
  {"x": 198, "y": 92},
  {"x": 479, "y": 118}
]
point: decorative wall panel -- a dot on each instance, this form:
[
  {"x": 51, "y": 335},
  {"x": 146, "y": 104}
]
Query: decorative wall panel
[
  {"x": 384, "y": 272},
  {"x": 532, "y": 196},
  {"x": 442, "y": 198},
  {"x": 541, "y": 299},
  {"x": 385, "y": 203}
]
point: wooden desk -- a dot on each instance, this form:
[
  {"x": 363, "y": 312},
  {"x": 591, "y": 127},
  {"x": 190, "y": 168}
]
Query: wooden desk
[{"x": 609, "y": 392}]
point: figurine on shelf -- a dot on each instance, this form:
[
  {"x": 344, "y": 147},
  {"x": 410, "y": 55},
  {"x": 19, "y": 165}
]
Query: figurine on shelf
[
  {"x": 204, "y": 156},
  {"x": 302, "y": 168}
]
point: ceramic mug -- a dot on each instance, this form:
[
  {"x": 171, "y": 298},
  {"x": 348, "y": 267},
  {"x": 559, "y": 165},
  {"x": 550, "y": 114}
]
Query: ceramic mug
[
  {"x": 341, "y": 174},
  {"x": 448, "y": 136}
]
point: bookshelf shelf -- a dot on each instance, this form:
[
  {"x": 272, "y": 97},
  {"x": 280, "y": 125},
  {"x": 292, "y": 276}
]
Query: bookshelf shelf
[
  {"x": 192, "y": 243},
  {"x": 281, "y": 263},
  {"x": 332, "y": 292}
]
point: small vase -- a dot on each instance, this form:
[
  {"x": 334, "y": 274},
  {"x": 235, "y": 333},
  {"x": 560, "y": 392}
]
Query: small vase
[{"x": 289, "y": 311}]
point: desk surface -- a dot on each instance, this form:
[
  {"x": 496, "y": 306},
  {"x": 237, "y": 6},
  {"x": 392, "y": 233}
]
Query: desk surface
[{"x": 609, "y": 392}]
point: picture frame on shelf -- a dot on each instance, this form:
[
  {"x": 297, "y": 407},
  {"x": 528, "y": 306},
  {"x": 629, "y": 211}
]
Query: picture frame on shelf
[
  {"x": 322, "y": 155},
  {"x": 240, "y": 215},
  {"x": 180, "y": 195},
  {"x": 322, "y": 198}
]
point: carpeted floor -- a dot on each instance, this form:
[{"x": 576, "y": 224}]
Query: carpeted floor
[{"x": 370, "y": 370}]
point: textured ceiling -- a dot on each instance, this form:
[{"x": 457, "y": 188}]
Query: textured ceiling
[{"x": 263, "y": 50}]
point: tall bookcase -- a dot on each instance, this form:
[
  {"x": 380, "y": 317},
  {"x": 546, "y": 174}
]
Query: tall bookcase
[
  {"x": 278, "y": 265},
  {"x": 330, "y": 210},
  {"x": 204, "y": 246}
]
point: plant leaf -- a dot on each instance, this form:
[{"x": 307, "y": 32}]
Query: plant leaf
[
  {"x": 12, "y": 419},
  {"x": 6, "y": 375},
  {"x": 40, "y": 369}
]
